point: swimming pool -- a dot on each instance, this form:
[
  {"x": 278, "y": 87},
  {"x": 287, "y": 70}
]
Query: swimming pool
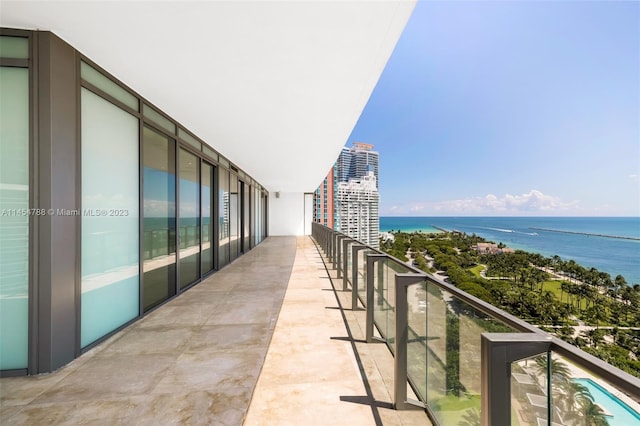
[{"x": 622, "y": 414}]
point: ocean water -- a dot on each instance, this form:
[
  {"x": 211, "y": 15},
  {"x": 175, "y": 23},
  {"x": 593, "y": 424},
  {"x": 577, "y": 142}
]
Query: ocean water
[{"x": 617, "y": 256}]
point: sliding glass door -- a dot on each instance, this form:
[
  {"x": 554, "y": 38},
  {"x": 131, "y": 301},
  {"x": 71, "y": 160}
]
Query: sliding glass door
[
  {"x": 14, "y": 223},
  {"x": 207, "y": 173},
  {"x": 110, "y": 266},
  {"x": 223, "y": 217},
  {"x": 159, "y": 225},
  {"x": 189, "y": 230}
]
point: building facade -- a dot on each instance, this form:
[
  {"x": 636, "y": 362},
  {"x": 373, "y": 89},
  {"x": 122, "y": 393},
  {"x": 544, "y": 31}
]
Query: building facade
[
  {"x": 324, "y": 211},
  {"x": 357, "y": 205},
  {"x": 357, "y": 161},
  {"x": 108, "y": 206},
  {"x": 348, "y": 184}
]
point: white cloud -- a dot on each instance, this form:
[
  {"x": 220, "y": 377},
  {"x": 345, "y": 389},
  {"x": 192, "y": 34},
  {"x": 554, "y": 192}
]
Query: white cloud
[{"x": 533, "y": 202}]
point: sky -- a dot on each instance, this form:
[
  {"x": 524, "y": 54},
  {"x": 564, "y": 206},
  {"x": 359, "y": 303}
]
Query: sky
[{"x": 510, "y": 108}]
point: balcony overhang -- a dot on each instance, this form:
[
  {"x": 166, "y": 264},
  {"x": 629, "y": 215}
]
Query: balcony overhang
[{"x": 275, "y": 86}]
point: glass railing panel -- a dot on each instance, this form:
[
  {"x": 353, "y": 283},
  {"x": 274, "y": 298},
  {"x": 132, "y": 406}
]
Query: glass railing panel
[
  {"x": 453, "y": 355},
  {"x": 348, "y": 272},
  {"x": 578, "y": 397},
  {"x": 436, "y": 344},
  {"x": 383, "y": 306},
  {"x": 388, "y": 305},
  {"x": 417, "y": 338},
  {"x": 529, "y": 401},
  {"x": 362, "y": 275}
]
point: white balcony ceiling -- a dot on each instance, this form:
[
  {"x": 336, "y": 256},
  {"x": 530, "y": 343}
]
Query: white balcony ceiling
[{"x": 275, "y": 86}]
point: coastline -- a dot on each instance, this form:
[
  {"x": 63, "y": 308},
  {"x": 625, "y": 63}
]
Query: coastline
[{"x": 585, "y": 241}]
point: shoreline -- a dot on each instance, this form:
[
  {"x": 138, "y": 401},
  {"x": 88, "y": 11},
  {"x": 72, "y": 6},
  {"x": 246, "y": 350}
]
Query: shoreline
[{"x": 435, "y": 229}]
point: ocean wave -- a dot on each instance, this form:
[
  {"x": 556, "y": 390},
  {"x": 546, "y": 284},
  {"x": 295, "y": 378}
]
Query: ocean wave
[
  {"x": 509, "y": 231},
  {"x": 500, "y": 230}
]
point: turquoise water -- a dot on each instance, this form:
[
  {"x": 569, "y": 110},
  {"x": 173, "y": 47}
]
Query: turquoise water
[
  {"x": 616, "y": 256},
  {"x": 622, "y": 414}
]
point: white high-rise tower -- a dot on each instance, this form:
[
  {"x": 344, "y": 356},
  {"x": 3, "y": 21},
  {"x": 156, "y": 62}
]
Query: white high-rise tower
[{"x": 357, "y": 207}]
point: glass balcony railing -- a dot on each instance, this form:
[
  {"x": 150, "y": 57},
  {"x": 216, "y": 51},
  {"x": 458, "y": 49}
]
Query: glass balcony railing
[{"x": 468, "y": 362}]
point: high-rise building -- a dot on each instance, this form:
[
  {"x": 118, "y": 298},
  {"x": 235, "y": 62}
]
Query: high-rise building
[
  {"x": 324, "y": 206},
  {"x": 357, "y": 205},
  {"x": 364, "y": 160},
  {"x": 352, "y": 163},
  {"x": 355, "y": 162}
]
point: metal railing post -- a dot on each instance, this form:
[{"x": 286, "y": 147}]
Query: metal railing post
[
  {"x": 332, "y": 237},
  {"x": 369, "y": 304},
  {"x": 325, "y": 240},
  {"x": 497, "y": 352},
  {"x": 337, "y": 258},
  {"x": 400, "y": 374},
  {"x": 334, "y": 248},
  {"x": 354, "y": 274},
  {"x": 345, "y": 262}
]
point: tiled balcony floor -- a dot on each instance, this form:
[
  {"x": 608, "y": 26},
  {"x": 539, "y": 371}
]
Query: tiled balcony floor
[{"x": 267, "y": 326}]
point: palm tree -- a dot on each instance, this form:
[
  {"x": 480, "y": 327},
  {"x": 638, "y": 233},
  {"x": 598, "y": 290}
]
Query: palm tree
[
  {"x": 573, "y": 399},
  {"x": 560, "y": 373},
  {"x": 594, "y": 335},
  {"x": 593, "y": 415},
  {"x": 471, "y": 417}
]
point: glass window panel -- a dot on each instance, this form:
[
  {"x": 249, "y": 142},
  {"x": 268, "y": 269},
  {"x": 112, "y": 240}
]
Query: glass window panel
[
  {"x": 14, "y": 47},
  {"x": 158, "y": 118},
  {"x": 207, "y": 224},
  {"x": 159, "y": 225},
  {"x": 256, "y": 217},
  {"x": 223, "y": 225},
  {"x": 245, "y": 218},
  {"x": 189, "y": 139},
  {"x": 211, "y": 153},
  {"x": 234, "y": 218},
  {"x": 14, "y": 222},
  {"x": 93, "y": 76},
  {"x": 263, "y": 219},
  {"x": 189, "y": 218},
  {"x": 110, "y": 219}
]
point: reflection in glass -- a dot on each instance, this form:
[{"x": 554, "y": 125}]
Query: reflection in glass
[
  {"x": 159, "y": 191},
  {"x": 417, "y": 337},
  {"x": 207, "y": 225},
  {"x": 529, "y": 402},
  {"x": 110, "y": 265},
  {"x": 263, "y": 218},
  {"x": 246, "y": 220},
  {"x": 453, "y": 365},
  {"x": 234, "y": 218},
  {"x": 256, "y": 217},
  {"x": 189, "y": 218},
  {"x": 14, "y": 228},
  {"x": 582, "y": 398},
  {"x": 223, "y": 218}
]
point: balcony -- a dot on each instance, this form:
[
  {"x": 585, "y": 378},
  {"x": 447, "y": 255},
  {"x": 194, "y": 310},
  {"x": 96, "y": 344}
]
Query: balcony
[
  {"x": 266, "y": 340},
  {"x": 283, "y": 336}
]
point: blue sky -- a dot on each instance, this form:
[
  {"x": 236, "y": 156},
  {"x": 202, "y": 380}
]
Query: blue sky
[{"x": 510, "y": 108}]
